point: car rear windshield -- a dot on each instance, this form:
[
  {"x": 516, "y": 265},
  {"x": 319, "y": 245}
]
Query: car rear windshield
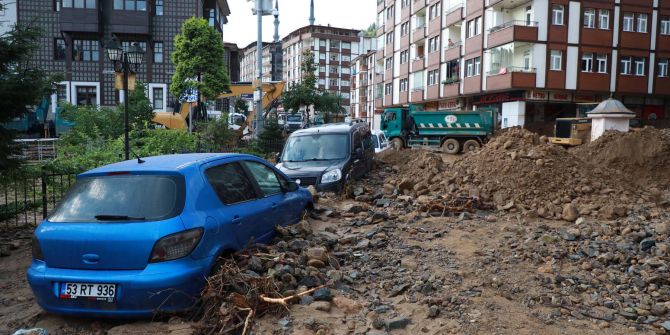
[
  {"x": 316, "y": 147},
  {"x": 124, "y": 197}
]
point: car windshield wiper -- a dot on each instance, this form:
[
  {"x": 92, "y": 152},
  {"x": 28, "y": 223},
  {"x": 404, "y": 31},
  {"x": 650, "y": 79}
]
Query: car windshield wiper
[{"x": 107, "y": 217}]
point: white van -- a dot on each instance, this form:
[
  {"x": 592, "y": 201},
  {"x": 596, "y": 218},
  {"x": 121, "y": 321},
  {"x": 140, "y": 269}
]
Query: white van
[{"x": 379, "y": 141}]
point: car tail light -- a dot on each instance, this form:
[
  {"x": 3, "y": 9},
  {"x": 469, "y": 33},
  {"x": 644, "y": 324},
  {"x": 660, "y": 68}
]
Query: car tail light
[
  {"x": 175, "y": 246},
  {"x": 37, "y": 251}
]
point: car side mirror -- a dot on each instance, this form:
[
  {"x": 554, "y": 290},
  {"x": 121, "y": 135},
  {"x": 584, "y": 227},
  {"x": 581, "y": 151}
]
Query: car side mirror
[
  {"x": 359, "y": 152},
  {"x": 292, "y": 186},
  {"x": 278, "y": 157}
]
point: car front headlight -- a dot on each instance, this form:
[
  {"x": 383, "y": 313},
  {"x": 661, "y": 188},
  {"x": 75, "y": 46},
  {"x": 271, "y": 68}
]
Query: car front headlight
[{"x": 331, "y": 176}]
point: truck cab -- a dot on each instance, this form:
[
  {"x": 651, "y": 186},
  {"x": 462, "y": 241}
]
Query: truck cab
[{"x": 396, "y": 124}]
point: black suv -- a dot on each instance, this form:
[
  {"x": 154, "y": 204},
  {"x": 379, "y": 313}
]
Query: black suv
[{"x": 326, "y": 156}]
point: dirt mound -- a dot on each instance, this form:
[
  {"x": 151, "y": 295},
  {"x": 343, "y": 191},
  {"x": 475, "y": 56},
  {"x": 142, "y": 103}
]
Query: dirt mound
[
  {"x": 643, "y": 155},
  {"x": 519, "y": 171}
]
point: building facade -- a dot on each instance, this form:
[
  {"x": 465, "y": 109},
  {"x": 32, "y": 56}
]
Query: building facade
[
  {"x": 532, "y": 60},
  {"x": 232, "y": 59},
  {"x": 362, "y": 82},
  {"x": 333, "y": 49},
  {"x": 248, "y": 63},
  {"x": 77, "y": 31}
]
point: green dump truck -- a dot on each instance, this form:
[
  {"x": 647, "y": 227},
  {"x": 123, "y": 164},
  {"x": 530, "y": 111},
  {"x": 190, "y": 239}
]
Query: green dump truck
[{"x": 450, "y": 130}]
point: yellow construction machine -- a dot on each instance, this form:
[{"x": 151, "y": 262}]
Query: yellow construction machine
[
  {"x": 571, "y": 131},
  {"x": 271, "y": 92}
]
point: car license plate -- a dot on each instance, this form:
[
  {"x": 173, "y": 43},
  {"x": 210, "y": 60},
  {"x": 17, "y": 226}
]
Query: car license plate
[{"x": 103, "y": 292}]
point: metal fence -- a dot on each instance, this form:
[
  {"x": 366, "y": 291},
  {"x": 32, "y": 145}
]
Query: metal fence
[
  {"x": 263, "y": 148},
  {"x": 27, "y": 198},
  {"x": 37, "y": 149}
]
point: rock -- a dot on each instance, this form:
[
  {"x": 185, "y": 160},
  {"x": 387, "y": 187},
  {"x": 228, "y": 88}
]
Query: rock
[
  {"x": 666, "y": 325},
  {"x": 334, "y": 275},
  {"x": 323, "y": 294},
  {"x": 323, "y": 306},
  {"x": 539, "y": 162},
  {"x": 508, "y": 144},
  {"x": 347, "y": 305},
  {"x": 319, "y": 253},
  {"x": 580, "y": 221},
  {"x": 409, "y": 264},
  {"x": 255, "y": 264},
  {"x": 569, "y": 234},
  {"x": 508, "y": 205},
  {"x": 405, "y": 184},
  {"x": 662, "y": 228},
  {"x": 433, "y": 311},
  {"x": 647, "y": 243},
  {"x": 544, "y": 139},
  {"x": 306, "y": 300},
  {"x": 388, "y": 189},
  {"x": 358, "y": 190},
  {"x": 382, "y": 202},
  {"x": 352, "y": 208},
  {"x": 658, "y": 309},
  {"x": 4, "y": 250},
  {"x": 284, "y": 322},
  {"x": 398, "y": 323},
  {"x": 491, "y": 218},
  {"x": 317, "y": 263},
  {"x": 570, "y": 212}
]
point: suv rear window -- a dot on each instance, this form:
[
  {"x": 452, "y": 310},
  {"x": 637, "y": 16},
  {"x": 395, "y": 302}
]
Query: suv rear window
[{"x": 122, "y": 198}]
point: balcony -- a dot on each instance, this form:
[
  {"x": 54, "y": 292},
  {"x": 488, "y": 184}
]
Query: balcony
[
  {"x": 510, "y": 77},
  {"x": 453, "y": 52},
  {"x": 85, "y": 20},
  {"x": 417, "y": 94},
  {"x": 381, "y": 4},
  {"x": 516, "y": 30},
  {"x": 451, "y": 87},
  {"x": 129, "y": 22},
  {"x": 433, "y": 92},
  {"x": 388, "y": 100},
  {"x": 418, "y": 64},
  {"x": 454, "y": 14},
  {"x": 418, "y": 34},
  {"x": 418, "y": 6}
]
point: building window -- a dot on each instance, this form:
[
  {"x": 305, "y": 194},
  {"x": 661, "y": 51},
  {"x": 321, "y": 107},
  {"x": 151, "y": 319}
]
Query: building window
[
  {"x": 452, "y": 72},
  {"x": 140, "y": 5},
  {"x": 346, "y": 70},
  {"x": 478, "y": 66},
  {"x": 344, "y": 83},
  {"x": 322, "y": 43},
  {"x": 346, "y": 58},
  {"x": 587, "y": 62},
  {"x": 76, "y": 4},
  {"x": 334, "y": 57},
  {"x": 404, "y": 85},
  {"x": 433, "y": 44},
  {"x": 334, "y": 44},
  {"x": 404, "y": 57},
  {"x": 322, "y": 56},
  {"x": 604, "y": 19},
  {"x": 158, "y": 52},
  {"x": 346, "y": 45},
  {"x": 662, "y": 67},
  {"x": 639, "y": 66},
  {"x": 158, "y": 98},
  {"x": 61, "y": 92},
  {"x": 85, "y": 50},
  {"x": 389, "y": 38},
  {"x": 87, "y": 95},
  {"x": 641, "y": 23},
  {"x": 125, "y": 45},
  {"x": 628, "y": 19},
  {"x": 322, "y": 82},
  {"x": 434, "y": 11},
  {"x": 404, "y": 29},
  {"x": 389, "y": 63},
  {"x": 59, "y": 49},
  {"x": 557, "y": 12},
  {"x": 473, "y": 67},
  {"x": 665, "y": 25},
  {"x": 404, "y": 3},
  {"x": 601, "y": 61},
  {"x": 332, "y": 82},
  {"x": 322, "y": 69},
  {"x": 389, "y": 13},
  {"x": 474, "y": 27},
  {"x": 589, "y": 18},
  {"x": 556, "y": 60},
  {"x": 388, "y": 89},
  {"x": 159, "y": 7},
  {"x": 433, "y": 77},
  {"x": 57, "y": 5},
  {"x": 332, "y": 69},
  {"x": 626, "y": 65}
]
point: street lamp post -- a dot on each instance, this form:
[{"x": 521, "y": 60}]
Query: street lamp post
[{"x": 123, "y": 60}]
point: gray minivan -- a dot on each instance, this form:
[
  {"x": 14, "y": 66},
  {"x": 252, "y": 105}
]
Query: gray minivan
[{"x": 329, "y": 155}]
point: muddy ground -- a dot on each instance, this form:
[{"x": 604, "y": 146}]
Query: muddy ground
[{"x": 407, "y": 269}]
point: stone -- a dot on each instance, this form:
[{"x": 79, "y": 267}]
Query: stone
[
  {"x": 409, "y": 264},
  {"x": 662, "y": 228},
  {"x": 647, "y": 243},
  {"x": 491, "y": 218},
  {"x": 317, "y": 263},
  {"x": 508, "y": 144},
  {"x": 358, "y": 191},
  {"x": 539, "y": 162},
  {"x": 398, "y": 323},
  {"x": 347, "y": 305},
  {"x": 658, "y": 309},
  {"x": 580, "y": 221},
  {"x": 306, "y": 300},
  {"x": 433, "y": 311},
  {"x": 323, "y": 306},
  {"x": 319, "y": 253},
  {"x": 334, "y": 275},
  {"x": 323, "y": 294},
  {"x": 570, "y": 212},
  {"x": 353, "y": 208},
  {"x": 666, "y": 325},
  {"x": 255, "y": 264},
  {"x": 405, "y": 184}
]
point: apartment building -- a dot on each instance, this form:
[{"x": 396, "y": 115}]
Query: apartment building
[
  {"x": 232, "y": 60},
  {"x": 76, "y": 32},
  {"x": 248, "y": 64},
  {"x": 333, "y": 49},
  {"x": 532, "y": 60},
  {"x": 362, "y": 82}
]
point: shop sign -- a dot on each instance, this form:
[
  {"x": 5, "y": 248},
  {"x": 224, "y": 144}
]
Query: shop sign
[
  {"x": 585, "y": 97},
  {"x": 450, "y": 104},
  {"x": 536, "y": 95},
  {"x": 497, "y": 98},
  {"x": 560, "y": 96}
]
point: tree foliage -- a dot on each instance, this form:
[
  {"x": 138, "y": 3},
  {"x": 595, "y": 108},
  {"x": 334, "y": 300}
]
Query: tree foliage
[
  {"x": 21, "y": 83},
  {"x": 330, "y": 105},
  {"x": 198, "y": 58},
  {"x": 371, "y": 30},
  {"x": 304, "y": 93},
  {"x": 216, "y": 134},
  {"x": 140, "y": 111},
  {"x": 242, "y": 106}
]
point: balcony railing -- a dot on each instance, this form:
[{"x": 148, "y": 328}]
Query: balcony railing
[
  {"x": 453, "y": 8},
  {"x": 453, "y": 45},
  {"x": 417, "y": 89},
  {"x": 510, "y": 69},
  {"x": 513, "y": 23},
  {"x": 450, "y": 81}
]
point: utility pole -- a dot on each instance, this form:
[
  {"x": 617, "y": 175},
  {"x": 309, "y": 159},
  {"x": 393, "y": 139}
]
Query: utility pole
[{"x": 259, "y": 70}]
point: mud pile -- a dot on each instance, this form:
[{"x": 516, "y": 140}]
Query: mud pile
[
  {"x": 642, "y": 155},
  {"x": 519, "y": 171}
]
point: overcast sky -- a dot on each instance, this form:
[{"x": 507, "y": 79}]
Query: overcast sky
[{"x": 293, "y": 14}]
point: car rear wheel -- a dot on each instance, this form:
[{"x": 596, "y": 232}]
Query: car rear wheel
[
  {"x": 471, "y": 146},
  {"x": 451, "y": 146}
]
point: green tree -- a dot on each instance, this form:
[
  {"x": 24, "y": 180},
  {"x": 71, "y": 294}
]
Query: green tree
[
  {"x": 216, "y": 135},
  {"x": 304, "y": 93},
  {"x": 330, "y": 105},
  {"x": 371, "y": 31},
  {"x": 198, "y": 58},
  {"x": 242, "y": 106},
  {"x": 140, "y": 111},
  {"x": 21, "y": 82}
]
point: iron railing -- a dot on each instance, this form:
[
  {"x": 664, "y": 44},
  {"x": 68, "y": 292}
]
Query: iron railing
[
  {"x": 513, "y": 23},
  {"x": 510, "y": 69}
]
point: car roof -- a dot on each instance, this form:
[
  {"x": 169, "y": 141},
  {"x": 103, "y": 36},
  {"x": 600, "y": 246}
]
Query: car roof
[
  {"x": 328, "y": 128},
  {"x": 167, "y": 163}
]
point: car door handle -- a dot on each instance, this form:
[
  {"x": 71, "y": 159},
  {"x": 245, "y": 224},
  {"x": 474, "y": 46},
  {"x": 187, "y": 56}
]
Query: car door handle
[{"x": 236, "y": 219}]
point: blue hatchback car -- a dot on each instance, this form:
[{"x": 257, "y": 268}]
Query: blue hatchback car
[{"x": 138, "y": 237}]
